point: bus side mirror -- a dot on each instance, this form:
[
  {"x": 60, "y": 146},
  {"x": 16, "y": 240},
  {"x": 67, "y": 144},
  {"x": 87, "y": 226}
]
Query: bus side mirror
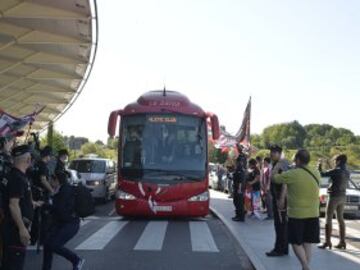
[
  {"x": 215, "y": 127},
  {"x": 113, "y": 119}
]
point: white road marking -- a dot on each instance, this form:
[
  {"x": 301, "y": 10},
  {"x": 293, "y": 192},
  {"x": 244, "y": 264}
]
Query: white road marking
[
  {"x": 84, "y": 222},
  {"x": 104, "y": 218},
  {"x": 112, "y": 212},
  {"x": 201, "y": 237},
  {"x": 153, "y": 236},
  {"x": 102, "y": 237}
]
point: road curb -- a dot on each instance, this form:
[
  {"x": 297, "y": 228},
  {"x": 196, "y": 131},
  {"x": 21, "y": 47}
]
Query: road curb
[{"x": 256, "y": 262}]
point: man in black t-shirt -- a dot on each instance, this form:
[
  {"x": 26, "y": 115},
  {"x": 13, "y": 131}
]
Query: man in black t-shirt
[
  {"x": 253, "y": 179},
  {"x": 63, "y": 156},
  {"x": 18, "y": 210}
]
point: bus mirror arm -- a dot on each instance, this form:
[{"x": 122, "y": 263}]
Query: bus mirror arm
[
  {"x": 215, "y": 128},
  {"x": 113, "y": 119}
]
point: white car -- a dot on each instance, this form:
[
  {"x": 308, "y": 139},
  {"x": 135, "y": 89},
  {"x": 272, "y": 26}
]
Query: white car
[
  {"x": 75, "y": 177},
  {"x": 352, "y": 206},
  {"x": 98, "y": 175}
]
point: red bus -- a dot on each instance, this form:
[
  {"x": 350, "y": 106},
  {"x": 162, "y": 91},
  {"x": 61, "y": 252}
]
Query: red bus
[{"x": 163, "y": 156}]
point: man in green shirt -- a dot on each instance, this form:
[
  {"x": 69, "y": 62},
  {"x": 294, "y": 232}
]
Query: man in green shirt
[{"x": 303, "y": 206}]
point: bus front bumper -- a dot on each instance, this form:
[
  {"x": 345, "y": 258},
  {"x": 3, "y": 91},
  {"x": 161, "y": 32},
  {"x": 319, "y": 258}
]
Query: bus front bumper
[{"x": 181, "y": 208}]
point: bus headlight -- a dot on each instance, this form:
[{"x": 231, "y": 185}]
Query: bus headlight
[
  {"x": 125, "y": 196},
  {"x": 203, "y": 197}
]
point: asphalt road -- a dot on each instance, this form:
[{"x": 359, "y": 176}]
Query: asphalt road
[{"x": 109, "y": 242}]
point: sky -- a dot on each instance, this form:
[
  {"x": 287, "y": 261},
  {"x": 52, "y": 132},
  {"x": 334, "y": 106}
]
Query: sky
[{"x": 299, "y": 60}]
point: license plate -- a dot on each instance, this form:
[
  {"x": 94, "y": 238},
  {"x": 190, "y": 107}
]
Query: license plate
[
  {"x": 161, "y": 208},
  {"x": 351, "y": 207}
]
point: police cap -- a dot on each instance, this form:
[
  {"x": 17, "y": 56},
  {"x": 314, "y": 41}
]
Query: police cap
[
  {"x": 63, "y": 152},
  {"x": 20, "y": 150},
  {"x": 46, "y": 151},
  {"x": 275, "y": 148}
]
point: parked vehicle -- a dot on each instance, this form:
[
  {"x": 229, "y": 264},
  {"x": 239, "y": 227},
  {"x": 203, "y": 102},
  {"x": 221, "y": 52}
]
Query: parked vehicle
[
  {"x": 98, "y": 175},
  {"x": 352, "y": 206},
  {"x": 213, "y": 177},
  {"x": 228, "y": 182},
  {"x": 74, "y": 177},
  {"x": 355, "y": 177}
]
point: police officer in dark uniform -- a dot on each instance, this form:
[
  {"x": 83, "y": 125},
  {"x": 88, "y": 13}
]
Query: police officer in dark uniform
[
  {"x": 239, "y": 184},
  {"x": 63, "y": 156},
  {"x": 279, "y": 194},
  {"x": 19, "y": 210},
  {"x": 41, "y": 190},
  {"x": 6, "y": 145}
]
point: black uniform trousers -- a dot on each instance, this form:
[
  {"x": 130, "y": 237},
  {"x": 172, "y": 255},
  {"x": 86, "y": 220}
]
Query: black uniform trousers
[
  {"x": 14, "y": 251},
  {"x": 281, "y": 229},
  {"x": 238, "y": 200}
]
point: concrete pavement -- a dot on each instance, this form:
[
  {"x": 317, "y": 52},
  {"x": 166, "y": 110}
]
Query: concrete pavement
[{"x": 257, "y": 237}]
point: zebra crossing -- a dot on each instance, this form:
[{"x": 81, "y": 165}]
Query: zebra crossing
[{"x": 150, "y": 236}]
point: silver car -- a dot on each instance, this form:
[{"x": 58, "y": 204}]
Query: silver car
[
  {"x": 352, "y": 206},
  {"x": 98, "y": 175},
  {"x": 74, "y": 177}
]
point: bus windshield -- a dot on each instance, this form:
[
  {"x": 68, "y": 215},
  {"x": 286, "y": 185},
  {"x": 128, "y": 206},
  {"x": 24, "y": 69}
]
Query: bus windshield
[{"x": 163, "y": 148}]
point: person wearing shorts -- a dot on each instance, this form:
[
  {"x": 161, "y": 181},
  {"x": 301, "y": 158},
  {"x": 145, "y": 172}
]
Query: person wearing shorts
[{"x": 303, "y": 206}]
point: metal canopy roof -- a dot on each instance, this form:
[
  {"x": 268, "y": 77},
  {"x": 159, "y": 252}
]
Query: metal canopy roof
[{"x": 47, "y": 49}]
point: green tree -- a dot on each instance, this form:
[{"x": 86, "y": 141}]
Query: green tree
[
  {"x": 289, "y": 135},
  {"x": 99, "y": 142},
  {"x": 93, "y": 148},
  {"x": 58, "y": 141},
  {"x": 217, "y": 155}
]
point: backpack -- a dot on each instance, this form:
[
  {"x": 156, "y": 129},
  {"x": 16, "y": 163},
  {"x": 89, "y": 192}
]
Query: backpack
[{"x": 84, "y": 202}]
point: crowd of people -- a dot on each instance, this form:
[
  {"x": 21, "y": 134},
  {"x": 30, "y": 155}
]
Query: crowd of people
[
  {"x": 289, "y": 192},
  {"x": 37, "y": 204}
]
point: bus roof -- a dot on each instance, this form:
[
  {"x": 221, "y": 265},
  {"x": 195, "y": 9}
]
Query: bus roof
[{"x": 164, "y": 101}]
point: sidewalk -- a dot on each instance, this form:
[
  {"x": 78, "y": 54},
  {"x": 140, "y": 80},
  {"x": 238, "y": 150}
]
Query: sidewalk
[{"x": 257, "y": 237}]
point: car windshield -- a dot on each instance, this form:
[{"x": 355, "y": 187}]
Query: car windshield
[
  {"x": 163, "y": 148},
  {"x": 325, "y": 183},
  {"x": 88, "y": 166}
]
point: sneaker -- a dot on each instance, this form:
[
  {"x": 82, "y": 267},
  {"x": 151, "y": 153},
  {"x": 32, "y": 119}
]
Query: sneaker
[{"x": 79, "y": 265}]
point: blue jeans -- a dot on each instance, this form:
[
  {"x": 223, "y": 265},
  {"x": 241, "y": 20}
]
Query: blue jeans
[{"x": 58, "y": 236}]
